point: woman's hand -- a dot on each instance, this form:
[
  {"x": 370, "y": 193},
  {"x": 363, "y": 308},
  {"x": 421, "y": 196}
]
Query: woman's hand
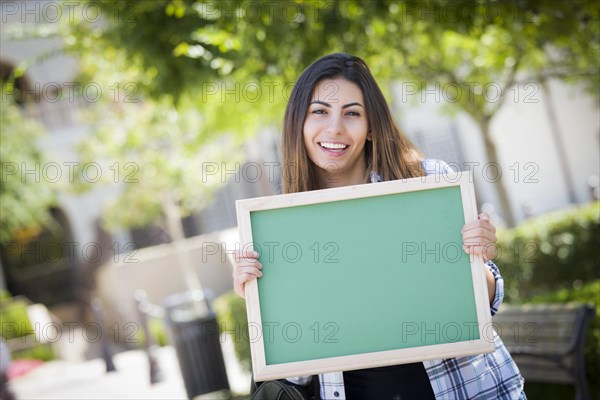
[
  {"x": 246, "y": 267},
  {"x": 479, "y": 238}
]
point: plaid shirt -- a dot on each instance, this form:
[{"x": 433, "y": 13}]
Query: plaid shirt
[{"x": 486, "y": 376}]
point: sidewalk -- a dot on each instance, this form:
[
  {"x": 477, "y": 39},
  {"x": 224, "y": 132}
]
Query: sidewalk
[{"x": 64, "y": 380}]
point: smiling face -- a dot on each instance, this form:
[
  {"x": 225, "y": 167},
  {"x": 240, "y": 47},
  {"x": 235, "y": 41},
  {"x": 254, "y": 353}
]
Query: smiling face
[{"x": 335, "y": 131}]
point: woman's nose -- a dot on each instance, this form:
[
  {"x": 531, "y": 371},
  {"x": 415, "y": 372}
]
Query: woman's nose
[{"x": 336, "y": 125}]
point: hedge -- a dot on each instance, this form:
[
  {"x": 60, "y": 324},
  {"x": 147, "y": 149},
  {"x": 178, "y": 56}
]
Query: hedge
[
  {"x": 14, "y": 323},
  {"x": 554, "y": 258},
  {"x": 232, "y": 319},
  {"x": 14, "y": 319},
  {"x": 551, "y": 252}
]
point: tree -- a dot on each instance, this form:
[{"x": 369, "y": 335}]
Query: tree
[
  {"x": 189, "y": 54},
  {"x": 479, "y": 52},
  {"x": 188, "y": 57},
  {"x": 185, "y": 86},
  {"x": 170, "y": 67},
  {"x": 25, "y": 195}
]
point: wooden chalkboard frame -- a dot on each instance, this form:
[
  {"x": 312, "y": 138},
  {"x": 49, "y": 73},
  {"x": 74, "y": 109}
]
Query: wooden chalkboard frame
[{"x": 262, "y": 371}]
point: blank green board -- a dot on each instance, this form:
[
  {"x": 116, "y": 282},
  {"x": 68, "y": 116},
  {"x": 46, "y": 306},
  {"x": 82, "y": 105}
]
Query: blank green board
[{"x": 364, "y": 275}]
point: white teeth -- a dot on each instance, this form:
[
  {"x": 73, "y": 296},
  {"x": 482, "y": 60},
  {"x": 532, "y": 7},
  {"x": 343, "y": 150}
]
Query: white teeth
[{"x": 334, "y": 146}]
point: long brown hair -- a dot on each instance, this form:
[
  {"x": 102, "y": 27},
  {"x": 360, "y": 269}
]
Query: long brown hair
[{"x": 389, "y": 154}]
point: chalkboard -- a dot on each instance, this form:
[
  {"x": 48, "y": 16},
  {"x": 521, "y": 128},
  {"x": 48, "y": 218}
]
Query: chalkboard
[{"x": 364, "y": 276}]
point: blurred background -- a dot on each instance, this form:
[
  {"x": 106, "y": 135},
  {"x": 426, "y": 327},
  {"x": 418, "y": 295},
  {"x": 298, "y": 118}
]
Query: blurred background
[{"x": 129, "y": 129}]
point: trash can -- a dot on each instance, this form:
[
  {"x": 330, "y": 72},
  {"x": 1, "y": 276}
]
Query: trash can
[{"x": 196, "y": 338}]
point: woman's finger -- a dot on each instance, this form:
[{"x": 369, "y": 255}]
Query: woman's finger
[
  {"x": 479, "y": 224},
  {"x": 245, "y": 255},
  {"x": 240, "y": 280},
  {"x": 487, "y": 251},
  {"x": 252, "y": 270}
]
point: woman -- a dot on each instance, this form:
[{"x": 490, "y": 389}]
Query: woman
[{"x": 338, "y": 131}]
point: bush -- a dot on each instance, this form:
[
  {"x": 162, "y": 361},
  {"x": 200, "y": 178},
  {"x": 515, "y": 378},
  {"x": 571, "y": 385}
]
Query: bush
[
  {"x": 16, "y": 324},
  {"x": 551, "y": 252},
  {"x": 4, "y": 295},
  {"x": 547, "y": 259},
  {"x": 42, "y": 352},
  {"x": 232, "y": 318},
  {"x": 15, "y": 321},
  {"x": 158, "y": 330}
]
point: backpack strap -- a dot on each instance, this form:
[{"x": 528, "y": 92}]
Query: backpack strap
[
  {"x": 316, "y": 386},
  {"x": 313, "y": 389}
]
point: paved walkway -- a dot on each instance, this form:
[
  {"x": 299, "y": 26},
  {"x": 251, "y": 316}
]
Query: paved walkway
[{"x": 64, "y": 380}]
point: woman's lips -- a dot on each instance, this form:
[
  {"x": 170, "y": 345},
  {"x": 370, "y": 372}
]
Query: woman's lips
[{"x": 333, "y": 148}]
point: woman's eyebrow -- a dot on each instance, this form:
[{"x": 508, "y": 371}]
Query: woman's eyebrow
[
  {"x": 321, "y": 102},
  {"x": 356, "y": 103}
]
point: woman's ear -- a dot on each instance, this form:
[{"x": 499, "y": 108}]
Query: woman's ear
[{"x": 369, "y": 135}]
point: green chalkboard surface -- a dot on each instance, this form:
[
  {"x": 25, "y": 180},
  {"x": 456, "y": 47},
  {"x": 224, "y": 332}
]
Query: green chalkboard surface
[{"x": 364, "y": 275}]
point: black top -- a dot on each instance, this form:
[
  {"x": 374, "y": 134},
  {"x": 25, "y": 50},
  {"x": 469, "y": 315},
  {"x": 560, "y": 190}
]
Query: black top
[{"x": 396, "y": 382}]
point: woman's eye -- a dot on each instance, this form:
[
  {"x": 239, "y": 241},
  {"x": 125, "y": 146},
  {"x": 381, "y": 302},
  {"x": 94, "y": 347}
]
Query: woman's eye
[
  {"x": 353, "y": 113},
  {"x": 318, "y": 111}
]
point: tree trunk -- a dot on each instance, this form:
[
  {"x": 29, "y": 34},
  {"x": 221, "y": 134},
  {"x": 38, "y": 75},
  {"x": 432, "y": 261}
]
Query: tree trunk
[
  {"x": 560, "y": 146},
  {"x": 175, "y": 229},
  {"x": 492, "y": 155}
]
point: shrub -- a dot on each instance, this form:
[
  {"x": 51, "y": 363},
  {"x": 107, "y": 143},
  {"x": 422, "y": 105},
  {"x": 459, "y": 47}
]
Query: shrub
[
  {"x": 157, "y": 328},
  {"x": 15, "y": 322},
  {"x": 231, "y": 315},
  {"x": 4, "y": 295},
  {"x": 553, "y": 258},
  {"x": 42, "y": 352},
  {"x": 555, "y": 251}
]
